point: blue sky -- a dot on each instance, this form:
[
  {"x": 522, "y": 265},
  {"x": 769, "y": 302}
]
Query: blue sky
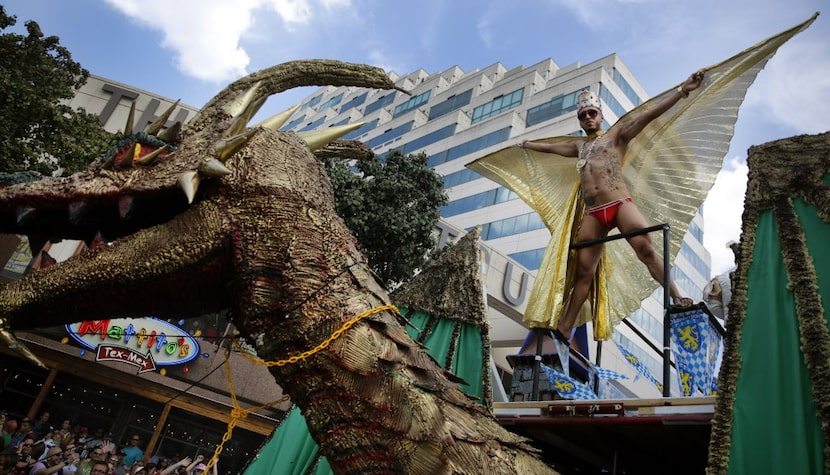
[{"x": 189, "y": 49}]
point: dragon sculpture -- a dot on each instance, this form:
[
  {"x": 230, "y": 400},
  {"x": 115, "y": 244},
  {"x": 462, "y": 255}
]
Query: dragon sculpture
[{"x": 256, "y": 232}]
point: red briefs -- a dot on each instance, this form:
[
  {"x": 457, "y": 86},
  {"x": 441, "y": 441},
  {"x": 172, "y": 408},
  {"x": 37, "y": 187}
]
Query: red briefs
[{"x": 607, "y": 214}]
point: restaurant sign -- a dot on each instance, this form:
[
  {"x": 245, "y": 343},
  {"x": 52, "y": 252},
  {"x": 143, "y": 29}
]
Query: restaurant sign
[{"x": 143, "y": 342}]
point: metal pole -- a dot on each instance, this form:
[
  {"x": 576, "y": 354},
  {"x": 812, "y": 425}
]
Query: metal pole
[
  {"x": 666, "y": 320},
  {"x": 599, "y": 359},
  {"x": 537, "y": 362}
]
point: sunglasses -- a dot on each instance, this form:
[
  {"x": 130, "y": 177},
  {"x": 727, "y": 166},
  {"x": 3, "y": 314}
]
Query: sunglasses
[
  {"x": 97, "y": 453},
  {"x": 588, "y": 113}
]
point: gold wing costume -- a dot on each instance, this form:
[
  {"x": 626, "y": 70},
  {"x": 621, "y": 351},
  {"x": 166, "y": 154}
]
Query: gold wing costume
[{"x": 669, "y": 168}]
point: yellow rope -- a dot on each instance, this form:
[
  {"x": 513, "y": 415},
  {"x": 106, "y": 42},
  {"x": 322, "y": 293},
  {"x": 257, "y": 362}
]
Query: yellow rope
[
  {"x": 239, "y": 413},
  {"x": 324, "y": 344}
]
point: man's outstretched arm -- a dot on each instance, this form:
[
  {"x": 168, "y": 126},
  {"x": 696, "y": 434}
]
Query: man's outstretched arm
[
  {"x": 567, "y": 149},
  {"x": 630, "y": 130}
]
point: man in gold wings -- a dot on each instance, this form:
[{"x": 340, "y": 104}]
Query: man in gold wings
[
  {"x": 667, "y": 163},
  {"x": 607, "y": 199}
]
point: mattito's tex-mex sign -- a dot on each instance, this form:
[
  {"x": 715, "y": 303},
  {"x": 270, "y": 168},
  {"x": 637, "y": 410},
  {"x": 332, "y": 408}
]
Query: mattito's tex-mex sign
[{"x": 142, "y": 342}]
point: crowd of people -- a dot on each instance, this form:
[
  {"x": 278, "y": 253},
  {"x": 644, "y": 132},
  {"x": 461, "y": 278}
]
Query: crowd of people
[{"x": 37, "y": 448}]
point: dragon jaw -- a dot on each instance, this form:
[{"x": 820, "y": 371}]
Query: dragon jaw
[{"x": 139, "y": 184}]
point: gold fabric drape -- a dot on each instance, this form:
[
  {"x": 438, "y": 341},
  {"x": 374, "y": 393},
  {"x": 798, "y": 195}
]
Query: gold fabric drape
[{"x": 668, "y": 168}]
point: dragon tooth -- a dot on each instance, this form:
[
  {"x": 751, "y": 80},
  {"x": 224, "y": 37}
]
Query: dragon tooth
[
  {"x": 46, "y": 260},
  {"x": 189, "y": 182},
  {"x": 151, "y": 157},
  {"x": 226, "y": 148},
  {"x": 214, "y": 167},
  {"x": 24, "y": 214},
  {"x": 97, "y": 242},
  {"x": 154, "y": 128},
  {"x": 126, "y": 204},
  {"x": 126, "y": 160},
  {"x": 320, "y": 138},
  {"x": 276, "y": 121},
  {"x": 77, "y": 210}
]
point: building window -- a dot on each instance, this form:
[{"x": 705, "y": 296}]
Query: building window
[
  {"x": 612, "y": 102},
  {"x": 557, "y": 106},
  {"x": 510, "y": 226},
  {"x": 361, "y": 130},
  {"x": 429, "y": 139},
  {"x": 383, "y": 101},
  {"x": 389, "y": 135},
  {"x": 498, "y": 105},
  {"x": 626, "y": 88},
  {"x": 478, "y": 201},
  {"x": 459, "y": 177},
  {"x": 354, "y": 102},
  {"x": 413, "y": 103},
  {"x": 312, "y": 102},
  {"x": 452, "y": 103},
  {"x": 331, "y": 102},
  {"x": 294, "y": 123},
  {"x": 493, "y": 138},
  {"x": 313, "y": 125},
  {"x": 531, "y": 260}
]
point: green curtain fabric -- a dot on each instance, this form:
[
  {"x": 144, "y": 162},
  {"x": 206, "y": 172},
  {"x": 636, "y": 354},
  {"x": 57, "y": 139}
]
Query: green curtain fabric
[
  {"x": 468, "y": 363},
  {"x": 775, "y": 426},
  {"x": 292, "y": 451},
  {"x": 465, "y": 342}
]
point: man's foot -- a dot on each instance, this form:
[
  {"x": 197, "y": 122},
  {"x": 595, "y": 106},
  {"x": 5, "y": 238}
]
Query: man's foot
[
  {"x": 560, "y": 336},
  {"x": 682, "y": 301}
]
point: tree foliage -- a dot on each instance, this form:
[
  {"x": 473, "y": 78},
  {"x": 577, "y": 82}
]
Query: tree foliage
[
  {"x": 391, "y": 207},
  {"x": 38, "y": 130}
]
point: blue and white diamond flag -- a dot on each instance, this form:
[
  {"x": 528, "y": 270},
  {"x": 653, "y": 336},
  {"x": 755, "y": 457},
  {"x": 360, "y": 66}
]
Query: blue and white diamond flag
[{"x": 566, "y": 386}]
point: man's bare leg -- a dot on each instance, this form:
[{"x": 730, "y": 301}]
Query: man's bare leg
[
  {"x": 629, "y": 218},
  {"x": 587, "y": 262}
]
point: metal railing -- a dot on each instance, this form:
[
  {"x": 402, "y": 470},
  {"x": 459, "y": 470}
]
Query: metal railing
[{"x": 667, "y": 309}]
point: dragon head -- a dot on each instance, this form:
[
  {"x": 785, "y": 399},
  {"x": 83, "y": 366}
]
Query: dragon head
[{"x": 152, "y": 176}]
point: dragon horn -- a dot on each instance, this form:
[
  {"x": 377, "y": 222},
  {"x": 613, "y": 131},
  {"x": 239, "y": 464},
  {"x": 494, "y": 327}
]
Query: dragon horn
[
  {"x": 243, "y": 108},
  {"x": 128, "y": 127},
  {"x": 170, "y": 134},
  {"x": 290, "y": 75},
  {"x": 214, "y": 167},
  {"x": 189, "y": 182},
  {"x": 14, "y": 344},
  {"x": 320, "y": 138},
  {"x": 231, "y": 145},
  {"x": 276, "y": 121},
  {"x": 156, "y": 126}
]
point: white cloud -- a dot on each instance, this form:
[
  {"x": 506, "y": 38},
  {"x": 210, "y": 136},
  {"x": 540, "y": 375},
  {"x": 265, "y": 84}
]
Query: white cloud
[
  {"x": 722, "y": 212},
  {"x": 794, "y": 86},
  {"x": 206, "y": 35},
  {"x": 291, "y": 11}
]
